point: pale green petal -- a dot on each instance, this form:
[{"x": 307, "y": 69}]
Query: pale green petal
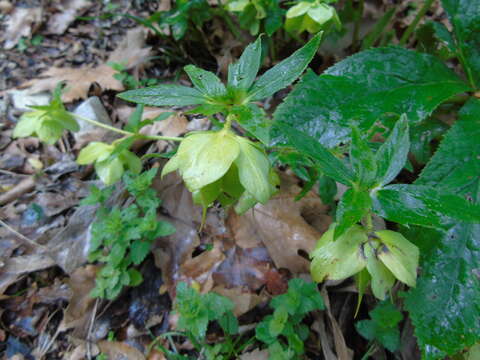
[
  {"x": 93, "y": 152},
  {"x": 170, "y": 166},
  {"x": 109, "y": 171},
  {"x": 298, "y": 10},
  {"x": 206, "y": 158},
  {"x": 339, "y": 259},
  {"x": 399, "y": 255},
  {"x": 245, "y": 203},
  {"x": 27, "y": 124},
  {"x": 254, "y": 170},
  {"x": 382, "y": 279},
  {"x": 321, "y": 13},
  {"x": 131, "y": 161}
]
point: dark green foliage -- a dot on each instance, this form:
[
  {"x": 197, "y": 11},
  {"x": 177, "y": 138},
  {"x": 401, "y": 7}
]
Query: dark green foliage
[
  {"x": 383, "y": 326},
  {"x": 284, "y": 332}
]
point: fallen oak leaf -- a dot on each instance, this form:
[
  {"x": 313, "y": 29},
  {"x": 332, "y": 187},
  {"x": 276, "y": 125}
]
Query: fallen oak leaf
[
  {"x": 68, "y": 10},
  {"x": 20, "y": 24},
  {"x": 130, "y": 51}
]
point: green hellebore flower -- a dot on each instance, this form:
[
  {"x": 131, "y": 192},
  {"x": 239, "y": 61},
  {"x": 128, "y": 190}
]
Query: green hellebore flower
[
  {"x": 223, "y": 166},
  {"x": 382, "y": 280},
  {"x": 109, "y": 165},
  {"x": 311, "y": 17},
  {"x": 46, "y": 122},
  {"x": 339, "y": 259},
  {"x": 399, "y": 255}
]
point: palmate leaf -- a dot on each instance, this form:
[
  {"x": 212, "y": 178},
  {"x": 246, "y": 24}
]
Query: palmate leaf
[
  {"x": 363, "y": 88},
  {"x": 444, "y": 306}
]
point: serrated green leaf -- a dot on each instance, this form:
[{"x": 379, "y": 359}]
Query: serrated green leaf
[
  {"x": 241, "y": 74},
  {"x": 161, "y": 95},
  {"x": 450, "y": 260},
  {"x": 286, "y": 72},
  {"x": 423, "y": 205},
  {"x": 136, "y": 277},
  {"x": 392, "y": 154},
  {"x": 328, "y": 163},
  {"x": 139, "y": 251},
  {"x": 353, "y": 206},
  {"x": 205, "y": 81},
  {"x": 229, "y": 323},
  {"x": 465, "y": 18},
  {"x": 399, "y": 81}
]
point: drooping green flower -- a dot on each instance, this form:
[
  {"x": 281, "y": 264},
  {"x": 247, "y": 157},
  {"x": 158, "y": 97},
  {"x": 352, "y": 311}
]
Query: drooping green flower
[
  {"x": 385, "y": 255},
  {"x": 225, "y": 167},
  {"x": 47, "y": 121},
  {"x": 109, "y": 163},
  {"x": 311, "y": 16}
]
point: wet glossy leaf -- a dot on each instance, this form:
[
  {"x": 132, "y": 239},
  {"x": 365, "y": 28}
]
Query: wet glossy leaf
[
  {"x": 328, "y": 163},
  {"x": 392, "y": 154},
  {"x": 205, "y": 81},
  {"x": 286, "y": 72},
  {"x": 171, "y": 95},
  {"x": 352, "y": 207},
  {"x": 465, "y": 18},
  {"x": 242, "y": 74},
  {"x": 423, "y": 205},
  {"x": 399, "y": 81},
  {"x": 362, "y": 159},
  {"x": 450, "y": 260},
  {"x": 253, "y": 119}
]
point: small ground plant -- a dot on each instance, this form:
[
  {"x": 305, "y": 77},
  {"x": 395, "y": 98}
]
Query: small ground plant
[{"x": 367, "y": 123}]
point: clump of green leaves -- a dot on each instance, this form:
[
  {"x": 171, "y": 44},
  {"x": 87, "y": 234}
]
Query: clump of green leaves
[
  {"x": 121, "y": 238},
  {"x": 129, "y": 81},
  {"x": 383, "y": 327},
  {"x": 196, "y": 311},
  {"x": 283, "y": 332},
  {"x": 47, "y": 121}
]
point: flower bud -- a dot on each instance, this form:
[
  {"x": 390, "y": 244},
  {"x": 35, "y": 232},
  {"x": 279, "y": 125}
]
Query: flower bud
[{"x": 399, "y": 255}]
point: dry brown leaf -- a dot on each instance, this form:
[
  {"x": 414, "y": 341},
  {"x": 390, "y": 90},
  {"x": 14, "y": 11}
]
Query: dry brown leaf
[
  {"x": 255, "y": 355},
  {"x": 17, "y": 266},
  {"x": 130, "y": 51},
  {"x": 81, "y": 282},
  {"x": 116, "y": 350},
  {"x": 284, "y": 226},
  {"x": 244, "y": 300},
  {"x": 20, "y": 24},
  {"x": 68, "y": 10}
]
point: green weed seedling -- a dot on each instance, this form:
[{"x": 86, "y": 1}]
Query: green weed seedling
[
  {"x": 283, "y": 332},
  {"x": 121, "y": 238}
]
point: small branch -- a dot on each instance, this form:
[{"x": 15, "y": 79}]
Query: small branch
[
  {"x": 159, "y": 137},
  {"x": 406, "y": 35},
  {"x": 23, "y": 237}
]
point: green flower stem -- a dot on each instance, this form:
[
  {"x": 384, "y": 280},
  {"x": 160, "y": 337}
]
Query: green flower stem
[
  {"x": 127, "y": 133},
  {"x": 413, "y": 25},
  {"x": 356, "y": 26},
  {"x": 228, "y": 122},
  {"x": 102, "y": 125}
]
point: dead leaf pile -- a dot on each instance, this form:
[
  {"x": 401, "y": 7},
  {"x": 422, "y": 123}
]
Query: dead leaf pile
[{"x": 130, "y": 52}]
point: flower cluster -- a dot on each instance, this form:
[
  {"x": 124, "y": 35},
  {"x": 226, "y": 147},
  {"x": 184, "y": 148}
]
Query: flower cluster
[{"x": 385, "y": 255}]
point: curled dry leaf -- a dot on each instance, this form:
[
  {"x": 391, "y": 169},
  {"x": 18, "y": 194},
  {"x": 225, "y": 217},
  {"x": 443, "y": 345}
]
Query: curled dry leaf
[
  {"x": 68, "y": 10},
  {"x": 116, "y": 350},
  {"x": 77, "y": 314},
  {"x": 131, "y": 51},
  {"x": 243, "y": 300},
  {"x": 284, "y": 226},
  {"x": 20, "y": 24}
]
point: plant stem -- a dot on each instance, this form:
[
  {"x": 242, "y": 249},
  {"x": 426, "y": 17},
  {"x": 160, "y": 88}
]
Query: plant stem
[
  {"x": 356, "y": 28},
  {"x": 127, "y": 133},
  {"x": 228, "y": 122},
  {"x": 102, "y": 125},
  {"x": 371, "y": 350},
  {"x": 413, "y": 25}
]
